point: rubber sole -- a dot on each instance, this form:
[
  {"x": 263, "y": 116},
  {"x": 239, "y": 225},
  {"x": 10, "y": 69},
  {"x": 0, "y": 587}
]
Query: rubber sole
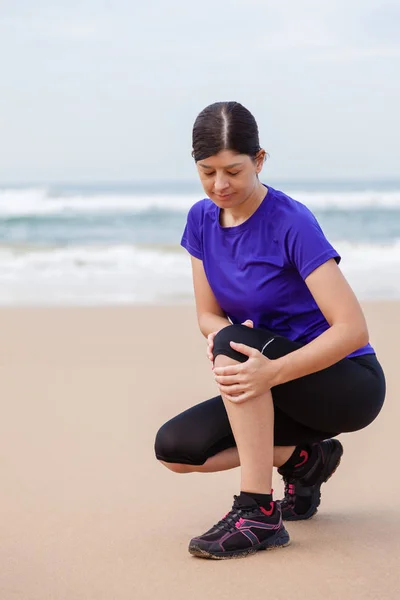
[
  {"x": 280, "y": 540},
  {"x": 330, "y": 468}
]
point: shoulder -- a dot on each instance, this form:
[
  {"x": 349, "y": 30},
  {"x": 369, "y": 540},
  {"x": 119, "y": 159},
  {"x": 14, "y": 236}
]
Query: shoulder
[
  {"x": 291, "y": 212},
  {"x": 192, "y": 238},
  {"x": 305, "y": 244},
  {"x": 200, "y": 209},
  {"x": 292, "y": 219}
]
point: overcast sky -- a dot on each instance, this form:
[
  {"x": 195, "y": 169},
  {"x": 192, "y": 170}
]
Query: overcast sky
[{"x": 108, "y": 91}]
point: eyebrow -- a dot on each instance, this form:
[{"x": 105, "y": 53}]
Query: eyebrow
[{"x": 227, "y": 167}]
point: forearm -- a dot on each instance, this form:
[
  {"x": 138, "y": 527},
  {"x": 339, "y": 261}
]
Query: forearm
[
  {"x": 328, "y": 348},
  {"x": 210, "y": 322}
]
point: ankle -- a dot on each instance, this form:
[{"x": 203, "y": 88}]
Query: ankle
[
  {"x": 263, "y": 500},
  {"x": 302, "y": 460}
]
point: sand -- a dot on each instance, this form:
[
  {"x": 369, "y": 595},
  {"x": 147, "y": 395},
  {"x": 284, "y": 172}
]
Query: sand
[{"x": 88, "y": 513}]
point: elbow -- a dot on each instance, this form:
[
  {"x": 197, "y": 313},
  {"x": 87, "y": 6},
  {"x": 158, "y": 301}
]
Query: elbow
[
  {"x": 361, "y": 337},
  {"x": 364, "y": 335},
  {"x": 202, "y": 325},
  {"x": 357, "y": 336},
  {"x": 203, "y": 321}
]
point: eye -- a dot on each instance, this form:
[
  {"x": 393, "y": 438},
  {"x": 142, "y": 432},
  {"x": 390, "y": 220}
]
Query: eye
[{"x": 228, "y": 172}]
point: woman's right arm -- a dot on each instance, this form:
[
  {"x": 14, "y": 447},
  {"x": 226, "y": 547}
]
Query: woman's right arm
[{"x": 210, "y": 316}]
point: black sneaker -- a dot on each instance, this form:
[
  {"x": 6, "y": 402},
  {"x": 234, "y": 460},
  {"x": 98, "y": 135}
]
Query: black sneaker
[
  {"x": 303, "y": 486},
  {"x": 246, "y": 529}
]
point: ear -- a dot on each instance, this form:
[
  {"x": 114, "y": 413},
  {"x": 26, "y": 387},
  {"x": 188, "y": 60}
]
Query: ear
[{"x": 260, "y": 159}]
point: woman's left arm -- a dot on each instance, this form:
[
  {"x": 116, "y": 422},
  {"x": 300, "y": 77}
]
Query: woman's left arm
[{"x": 347, "y": 332}]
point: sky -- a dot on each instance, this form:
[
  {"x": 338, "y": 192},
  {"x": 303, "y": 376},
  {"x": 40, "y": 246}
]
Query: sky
[{"x": 96, "y": 91}]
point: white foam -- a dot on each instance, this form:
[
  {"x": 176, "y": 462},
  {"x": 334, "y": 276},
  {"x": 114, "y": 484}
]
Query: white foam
[
  {"x": 371, "y": 269},
  {"x": 86, "y": 275},
  {"x": 129, "y": 274},
  {"x": 89, "y": 260},
  {"x": 368, "y": 256},
  {"x": 31, "y": 202},
  {"x": 348, "y": 200},
  {"x": 39, "y": 201}
]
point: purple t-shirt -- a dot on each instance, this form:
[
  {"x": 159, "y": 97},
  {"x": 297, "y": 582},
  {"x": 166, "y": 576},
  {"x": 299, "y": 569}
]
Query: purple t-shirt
[{"x": 257, "y": 269}]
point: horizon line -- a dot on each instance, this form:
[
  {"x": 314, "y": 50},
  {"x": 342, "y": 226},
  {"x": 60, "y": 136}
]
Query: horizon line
[{"x": 192, "y": 182}]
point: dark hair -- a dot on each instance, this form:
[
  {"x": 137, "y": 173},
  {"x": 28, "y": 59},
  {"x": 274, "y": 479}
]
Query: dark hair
[{"x": 225, "y": 126}]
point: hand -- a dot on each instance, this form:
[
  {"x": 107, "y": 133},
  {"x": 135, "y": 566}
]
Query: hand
[
  {"x": 210, "y": 342},
  {"x": 244, "y": 381},
  {"x": 211, "y": 336}
]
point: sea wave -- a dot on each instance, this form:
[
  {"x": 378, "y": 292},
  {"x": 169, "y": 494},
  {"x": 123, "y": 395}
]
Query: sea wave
[
  {"x": 41, "y": 201},
  {"x": 152, "y": 273},
  {"x": 162, "y": 255},
  {"x": 22, "y": 202},
  {"x": 92, "y": 275},
  {"x": 349, "y": 201},
  {"x": 89, "y": 260}
]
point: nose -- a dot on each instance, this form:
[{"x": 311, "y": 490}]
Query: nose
[{"x": 220, "y": 184}]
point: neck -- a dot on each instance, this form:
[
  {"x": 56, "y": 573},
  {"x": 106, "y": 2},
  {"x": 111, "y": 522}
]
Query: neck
[{"x": 238, "y": 214}]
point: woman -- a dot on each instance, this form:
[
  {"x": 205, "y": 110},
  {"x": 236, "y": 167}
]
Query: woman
[{"x": 286, "y": 336}]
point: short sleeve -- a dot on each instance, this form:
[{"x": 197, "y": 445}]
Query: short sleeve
[
  {"x": 306, "y": 244},
  {"x": 192, "y": 235}
]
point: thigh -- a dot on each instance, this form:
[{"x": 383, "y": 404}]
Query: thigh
[
  {"x": 203, "y": 430},
  {"x": 288, "y": 432},
  {"x": 195, "y": 434},
  {"x": 344, "y": 397}
]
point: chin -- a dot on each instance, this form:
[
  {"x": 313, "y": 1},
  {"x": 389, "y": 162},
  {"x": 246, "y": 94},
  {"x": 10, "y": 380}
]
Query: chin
[{"x": 223, "y": 202}]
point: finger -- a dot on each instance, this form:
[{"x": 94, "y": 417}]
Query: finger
[
  {"x": 247, "y": 350},
  {"x": 232, "y": 390},
  {"x": 248, "y": 323},
  {"x": 229, "y": 370},
  {"x": 237, "y": 399},
  {"x": 227, "y": 380}
]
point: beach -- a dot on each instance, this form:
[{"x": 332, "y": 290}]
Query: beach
[{"x": 88, "y": 513}]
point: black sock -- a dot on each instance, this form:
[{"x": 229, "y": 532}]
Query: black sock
[
  {"x": 302, "y": 458},
  {"x": 264, "y": 500}
]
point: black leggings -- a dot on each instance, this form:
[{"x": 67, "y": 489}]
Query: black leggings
[{"x": 344, "y": 397}]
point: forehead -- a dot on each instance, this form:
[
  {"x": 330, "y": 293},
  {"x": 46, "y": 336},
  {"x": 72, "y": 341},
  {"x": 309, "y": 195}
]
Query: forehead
[{"x": 225, "y": 159}]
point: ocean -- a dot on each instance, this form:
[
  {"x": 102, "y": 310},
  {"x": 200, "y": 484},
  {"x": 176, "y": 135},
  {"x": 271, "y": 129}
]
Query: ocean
[{"x": 119, "y": 244}]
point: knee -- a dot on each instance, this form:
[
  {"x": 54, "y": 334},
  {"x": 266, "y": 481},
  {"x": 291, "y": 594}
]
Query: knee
[
  {"x": 233, "y": 333},
  {"x": 174, "y": 451},
  {"x": 165, "y": 445},
  {"x": 229, "y": 334}
]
